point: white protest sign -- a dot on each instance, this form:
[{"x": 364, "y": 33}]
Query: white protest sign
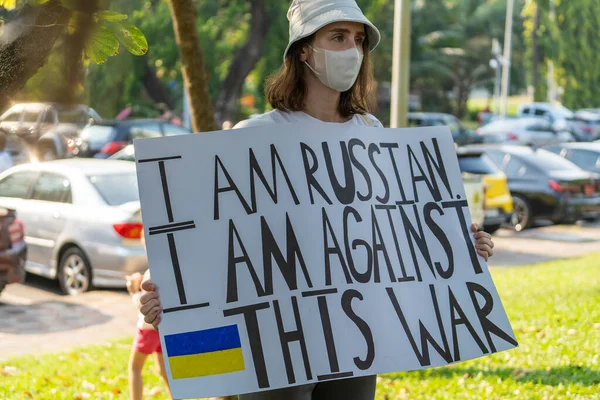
[{"x": 295, "y": 254}]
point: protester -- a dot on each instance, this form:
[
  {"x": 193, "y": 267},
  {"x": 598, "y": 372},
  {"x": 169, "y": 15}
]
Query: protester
[
  {"x": 146, "y": 342},
  {"x": 6, "y": 160},
  {"x": 326, "y": 78}
]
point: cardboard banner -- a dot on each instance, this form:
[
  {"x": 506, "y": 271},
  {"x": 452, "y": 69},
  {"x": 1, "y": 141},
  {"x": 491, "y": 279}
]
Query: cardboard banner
[{"x": 296, "y": 254}]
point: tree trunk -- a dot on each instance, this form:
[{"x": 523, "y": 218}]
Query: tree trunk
[
  {"x": 537, "y": 50},
  {"x": 155, "y": 88},
  {"x": 26, "y": 44},
  {"x": 243, "y": 63},
  {"x": 195, "y": 78}
]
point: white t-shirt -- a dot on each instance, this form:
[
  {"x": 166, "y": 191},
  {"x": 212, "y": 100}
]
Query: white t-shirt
[
  {"x": 6, "y": 161},
  {"x": 284, "y": 117}
]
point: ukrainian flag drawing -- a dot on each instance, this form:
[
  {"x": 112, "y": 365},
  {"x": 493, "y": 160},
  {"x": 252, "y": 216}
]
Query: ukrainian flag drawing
[{"x": 203, "y": 353}]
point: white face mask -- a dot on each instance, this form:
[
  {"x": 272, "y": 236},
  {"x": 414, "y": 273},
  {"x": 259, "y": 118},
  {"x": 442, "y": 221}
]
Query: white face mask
[{"x": 337, "y": 70}]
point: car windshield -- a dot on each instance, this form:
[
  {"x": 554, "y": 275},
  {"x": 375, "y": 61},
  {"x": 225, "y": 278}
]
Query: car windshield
[
  {"x": 563, "y": 112},
  {"x": 98, "y": 133},
  {"x": 547, "y": 161},
  {"x": 75, "y": 116},
  {"x": 477, "y": 164},
  {"x": 116, "y": 189}
]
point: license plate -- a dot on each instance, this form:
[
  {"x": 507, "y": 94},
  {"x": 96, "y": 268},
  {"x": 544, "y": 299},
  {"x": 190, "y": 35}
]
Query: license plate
[{"x": 492, "y": 213}]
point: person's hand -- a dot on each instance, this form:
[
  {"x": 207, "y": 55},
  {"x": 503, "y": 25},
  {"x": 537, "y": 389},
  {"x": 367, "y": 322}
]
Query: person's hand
[
  {"x": 484, "y": 243},
  {"x": 150, "y": 303}
]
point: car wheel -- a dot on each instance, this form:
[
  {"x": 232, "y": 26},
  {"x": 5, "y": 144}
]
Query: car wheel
[
  {"x": 491, "y": 228},
  {"x": 74, "y": 272},
  {"x": 522, "y": 217}
]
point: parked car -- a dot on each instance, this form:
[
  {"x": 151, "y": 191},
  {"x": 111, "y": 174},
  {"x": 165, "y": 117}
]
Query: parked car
[
  {"x": 522, "y": 131},
  {"x": 461, "y": 135},
  {"x": 584, "y": 155},
  {"x": 559, "y": 116},
  {"x": 83, "y": 220},
  {"x": 475, "y": 192},
  {"x": 498, "y": 200},
  {"x": 588, "y": 123},
  {"x": 13, "y": 249},
  {"x": 545, "y": 186},
  {"x": 106, "y": 138},
  {"x": 48, "y": 130},
  {"x": 127, "y": 154}
]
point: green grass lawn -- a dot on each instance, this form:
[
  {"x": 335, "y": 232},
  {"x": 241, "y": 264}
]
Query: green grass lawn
[{"x": 555, "y": 312}]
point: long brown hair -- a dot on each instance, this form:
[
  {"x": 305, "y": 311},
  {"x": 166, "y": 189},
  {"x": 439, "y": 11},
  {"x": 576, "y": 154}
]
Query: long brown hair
[{"x": 286, "y": 88}]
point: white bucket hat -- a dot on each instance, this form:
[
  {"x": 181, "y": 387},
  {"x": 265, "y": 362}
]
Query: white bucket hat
[{"x": 308, "y": 16}]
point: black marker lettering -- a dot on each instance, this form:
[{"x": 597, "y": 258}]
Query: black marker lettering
[
  {"x": 364, "y": 277},
  {"x": 459, "y": 207},
  {"x": 485, "y": 310},
  {"x": 455, "y": 309},
  {"x": 345, "y": 194},
  {"x": 361, "y": 168},
  {"x": 426, "y": 337},
  {"x": 362, "y": 326},
  {"x": 253, "y": 330},
  {"x": 329, "y": 251},
  {"x": 285, "y": 338},
  {"x": 388, "y": 209},
  {"x": 386, "y": 197},
  {"x": 231, "y": 186},
  {"x": 438, "y": 164},
  {"x": 422, "y": 177},
  {"x": 391, "y": 147},
  {"x": 233, "y": 261},
  {"x": 309, "y": 171},
  {"x": 287, "y": 265},
  {"x": 379, "y": 246},
  {"x": 438, "y": 232},
  {"x": 417, "y": 237}
]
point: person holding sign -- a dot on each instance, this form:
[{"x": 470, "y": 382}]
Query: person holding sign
[{"x": 326, "y": 78}]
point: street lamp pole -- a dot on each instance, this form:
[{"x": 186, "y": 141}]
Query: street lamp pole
[
  {"x": 507, "y": 56},
  {"x": 400, "y": 65}
]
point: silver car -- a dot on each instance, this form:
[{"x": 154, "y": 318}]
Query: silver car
[
  {"x": 523, "y": 131},
  {"x": 82, "y": 220}
]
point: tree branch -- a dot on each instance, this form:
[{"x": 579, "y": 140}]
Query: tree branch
[
  {"x": 26, "y": 44},
  {"x": 243, "y": 63}
]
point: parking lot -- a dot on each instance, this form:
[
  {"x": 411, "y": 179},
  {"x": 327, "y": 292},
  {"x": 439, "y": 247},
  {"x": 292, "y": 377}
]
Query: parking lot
[{"x": 37, "y": 318}]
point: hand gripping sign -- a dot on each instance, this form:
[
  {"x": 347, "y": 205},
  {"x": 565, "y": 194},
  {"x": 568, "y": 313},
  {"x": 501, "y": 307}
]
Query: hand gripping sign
[{"x": 295, "y": 254}]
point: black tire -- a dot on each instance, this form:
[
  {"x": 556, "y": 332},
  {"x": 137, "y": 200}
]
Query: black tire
[
  {"x": 74, "y": 272},
  {"x": 522, "y": 217},
  {"x": 491, "y": 229}
]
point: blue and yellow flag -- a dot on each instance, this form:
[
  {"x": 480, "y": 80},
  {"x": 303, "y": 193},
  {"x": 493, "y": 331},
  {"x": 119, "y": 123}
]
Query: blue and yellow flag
[{"x": 202, "y": 353}]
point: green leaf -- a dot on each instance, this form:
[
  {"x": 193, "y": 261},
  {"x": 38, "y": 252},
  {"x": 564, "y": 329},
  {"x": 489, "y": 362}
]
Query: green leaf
[
  {"x": 130, "y": 36},
  {"x": 111, "y": 16},
  {"x": 102, "y": 44}
]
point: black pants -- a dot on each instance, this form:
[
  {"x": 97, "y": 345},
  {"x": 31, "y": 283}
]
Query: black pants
[{"x": 346, "y": 389}]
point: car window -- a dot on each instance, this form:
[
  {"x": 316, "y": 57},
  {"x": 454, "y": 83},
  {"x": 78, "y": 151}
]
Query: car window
[
  {"x": 515, "y": 168},
  {"x": 31, "y": 116},
  {"x": 547, "y": 161},
  {"x": 540, "y": 113},
  {"x": 13, "y": 116},
  {"x": 173, "y": 130},
  {"x": 479, "y": 164},
  {"x": 52, "y": 187},
  {"x": 584, "y": 158},
  {"x": 526, "y": 110},
  {"x": 98, "y": 133},
  {"x": 48, "y": 117},
  {"x": 497, "y": 157},
  {"x": 17, "y": 185},
  {"x": 76, "y": 116},
  {"x": 554, "y": 149},
  {"x": 116, "y": 189},
  {"x": 143, "y": 131}
]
